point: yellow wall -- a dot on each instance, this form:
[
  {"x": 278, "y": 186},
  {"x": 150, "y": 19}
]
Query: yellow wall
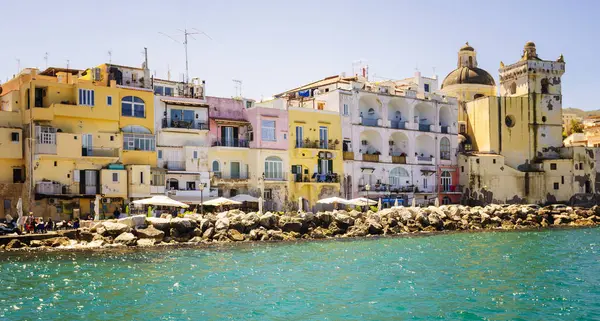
[
  {"x": 8, "y": 148},
  {"x": 137, "y": 188},
  {"x": 113, "y": 189},
  {"x": 311, "y": 120},
  {"x": 6, "y": 169}
]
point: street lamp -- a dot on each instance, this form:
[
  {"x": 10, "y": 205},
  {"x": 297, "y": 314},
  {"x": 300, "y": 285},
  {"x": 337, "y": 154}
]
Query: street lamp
[{"x": 201, "y": 187}]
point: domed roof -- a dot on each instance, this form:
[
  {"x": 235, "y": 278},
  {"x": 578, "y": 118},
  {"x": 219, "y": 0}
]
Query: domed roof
[
  {"x": 529, "y": 44},
  {"x": 467, "y": 47},
  {"x": 466, "y": 75}
]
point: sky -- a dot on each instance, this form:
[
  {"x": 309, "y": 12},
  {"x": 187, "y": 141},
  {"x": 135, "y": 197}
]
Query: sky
[{"x": 273, "y": 46}]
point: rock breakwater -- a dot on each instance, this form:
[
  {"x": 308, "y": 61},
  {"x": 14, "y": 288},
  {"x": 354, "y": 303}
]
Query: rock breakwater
[{"x": 237, "y": 226}]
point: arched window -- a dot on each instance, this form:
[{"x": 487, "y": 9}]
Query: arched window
[
  {"x": 446, "y": 181},
  {"x": 138, "y": 138},
  {"x": 398, "y": 177},
  {"x": 398, "y": 115},
  {"x": 273, "y": 168},
  {"x": 173, "y": 184},
  {"x": 371, "y": 111},
  {"x": 216, "y": 168},
  {"x": 470, "y": 62},
  {"x": 445, "y": 148},
  {"x": 132, "y": 106}
]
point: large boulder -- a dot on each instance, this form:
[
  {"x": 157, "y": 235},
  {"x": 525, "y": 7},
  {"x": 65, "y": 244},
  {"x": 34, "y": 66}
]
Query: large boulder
[
  {"x": 343, "y": 219},
  {"x": 324, "y": 218},
  {"x": 204, "y": 224},
  {"x": 250, "y": 221},
  {"x": 147, "y": 242},
  {"x": 57, "y": 241},
  {"x": 150, "y": 233},
  {"x": 422, "y": 219},
  {"x": 208, "y": 234},
  {"x": 15, "y": 244},
  {"x": 275, "y": 235},
  {"x": 259, "y": 234},
  {"x": 268, "y": 220},
  {"x": 133, "y": 221},
  {"x": 373, "y": 226},
  {"x": 235, "y": 235},
  {"x": 126, "y": 239},
  {"x": 113, "y": 229},
  {"x": 291, "y": 226},
  {"x": 72, "y": 234},
  {"x": 183, "y": 225},
  {"x": 320, "y": 233},
  {"x": 162, "y": 224},
  {"x": 86, "y": 235},
  {"x": 222, "y": 224},
  {"x": 357, "y": 231}
]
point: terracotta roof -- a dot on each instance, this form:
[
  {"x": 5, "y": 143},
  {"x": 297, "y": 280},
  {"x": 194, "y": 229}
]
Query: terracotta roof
[{"x": 51, "y": 71}]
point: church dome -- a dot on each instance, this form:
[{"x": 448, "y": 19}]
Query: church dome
[
  {"x": 466, "y": 75},
  {"x": 467, "y": 47}
]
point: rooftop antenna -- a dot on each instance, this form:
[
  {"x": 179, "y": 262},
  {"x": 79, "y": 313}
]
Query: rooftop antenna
[
  {"x": 238, "y": 87},
  {"x": 110, "y": 56},
  {"x": 68, "y": 61},
  {"x": 186, "y": 33},
  {"x": 46, "y": 59},
  {"x": 18, "y": 66},
  {"x": 168, "y": 72}
]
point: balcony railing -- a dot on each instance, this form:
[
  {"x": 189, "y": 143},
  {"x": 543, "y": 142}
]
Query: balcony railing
[
  {"x": 370, "y": 158},
  {"x": 425, "y": 127},
  {"x": 230, "y": 142},
  {"x": 449, "y": 189},
  {"x": 174, "y": 165},
  {"x": 348, "y": 156},
  {"x": 317, "y": 144},
  {"x": 398, "y": 124},
  {"x": 425, "y": 159},
  {"x": 317, "y": 178},
  {"x": 399, "y": 159},
  {"x": 56, "y": 188},
  {"x": 369, "y": 122},
  {"x": 274, "y": 177},
  {"x": 234, "y": 176},
  {"x": 100, "y": 152},
  {"x": 185, "y": 124},
  {"x": 444, "y": 129}
]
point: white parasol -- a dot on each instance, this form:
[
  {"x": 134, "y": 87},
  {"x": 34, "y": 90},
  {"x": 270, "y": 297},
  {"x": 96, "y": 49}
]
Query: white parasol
[
  {"x": 260, "y": 206},
  {"x": 221, "y": 201},
  {"x": 244, "y": 198},
  {"x": 300, "y": 204},
  {"x": 361, "y": 201},
  {"x": 160, "y": 200},
  {"x": 97, "y": 208},
  {"x": 396, "y": 203},
  {"x": 20, "y": 218},
  {"x": 333, "y": 200},
  {"x": 437, "y": 202},
  {"x": 414, "y": 202},
  {"x": 379, "y": 205}
]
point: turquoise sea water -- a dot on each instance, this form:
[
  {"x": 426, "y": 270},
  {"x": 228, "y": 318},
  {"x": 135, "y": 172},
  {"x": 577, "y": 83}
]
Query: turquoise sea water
[{"x": 548, "y": 275}]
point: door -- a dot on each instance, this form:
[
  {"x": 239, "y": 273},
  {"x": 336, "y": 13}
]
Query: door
[
  {"x": 299, "y": 136},
  {"x": 39, "y": 97},
  {"x": 86, "y": 145},
  {"x": 17, "y": 175},
  {"x": 227, "y": 136},
  {"x": 323, "y": 136},
  {"x": 91, "y": 182},
  {"x": 235, "y": 170}
]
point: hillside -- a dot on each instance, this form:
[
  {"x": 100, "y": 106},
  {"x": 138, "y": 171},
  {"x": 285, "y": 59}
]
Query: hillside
[{"x": 581, "y": 113}]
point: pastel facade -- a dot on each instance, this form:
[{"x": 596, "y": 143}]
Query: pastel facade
[
  {"x": 269, "y": 153},
  {"x": 182, "y": 127},
  {"x": 514, "y": 140},
  {"x": 12, "y": 166},
  {"x": 229, "y": 154}
]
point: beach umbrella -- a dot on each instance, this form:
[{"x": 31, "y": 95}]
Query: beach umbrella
[
  {"x": 300, "y": 204},
  {"x": 244, "y": 198},
  {"x": 414, "y": 202},
  {"x": 97, "y": 208},
  {"x": 379, "y": 205},
  {"x": 20, "y": 218},
  {"x": 333, "y": 200},
  {"x": 160, "y": 200},
  {"x": 396, "y": 203},
  {"x": 437, "y": 202},
  {"x": 221, "y": 201},
  {"x": 361, "y": 201},
  {"x": 260, "y": 206}
]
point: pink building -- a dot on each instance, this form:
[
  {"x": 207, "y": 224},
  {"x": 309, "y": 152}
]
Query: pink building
[
  {"x": 270, "y": 126},
  {"x": 228, "y": 121}
]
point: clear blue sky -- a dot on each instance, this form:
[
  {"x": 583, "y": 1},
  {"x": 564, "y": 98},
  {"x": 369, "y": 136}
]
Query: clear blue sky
[{"x": 277, "y": 45}]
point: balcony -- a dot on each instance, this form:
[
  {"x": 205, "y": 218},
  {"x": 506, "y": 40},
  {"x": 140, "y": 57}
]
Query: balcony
[
  {"x": 370, "y": 158},
  {"x": 230, "y": 142},
  {"x": 424, "y": 189},
  {"x": 48, "y": 149},
  {"x": 56, "y": 188},
  {"x": 317, "y": 144},
  {"x": 399, "y": 159},
  {"x": 220, "y": 178},
  {"x": 100, "y": 152},
  {"x": 425, "y": 159},
  {"x": 184, "y": 124},
  {"x": 425, "y": 127},
  {"x": 174, "y": 165},
  {"x": 317, "y": 178},
  {"x": 397, "y": 124},
  {"x": 402, "y": 188},
  {"x": 157, "y": 189},
  {"x": 449, "y": 189},
  {"x": 348, "y": 155},
  {"x": 369, "y": 122}
]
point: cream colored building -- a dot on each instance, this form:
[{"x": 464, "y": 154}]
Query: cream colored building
[
  {"x": 568, "y": 118},
  {"x": 512, "y": 143}
]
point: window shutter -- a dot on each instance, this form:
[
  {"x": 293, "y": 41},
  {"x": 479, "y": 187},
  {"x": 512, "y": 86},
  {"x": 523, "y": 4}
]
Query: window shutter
[
  {"x": 330, "y": 165},
  {"x": 81, "y": 181},
  {"x": 97, "y": 181},
  {"x": 319, "y": 167},
  {"x": 235, "y": 134}
]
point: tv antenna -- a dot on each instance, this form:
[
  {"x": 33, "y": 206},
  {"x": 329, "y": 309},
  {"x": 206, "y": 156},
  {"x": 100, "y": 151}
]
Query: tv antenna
[
  {"x": 186, "y": 33},
  {"x": 110, "y": 56},
  {"x": 238, "y": 87},
  {"x": 18, "y": 66},
  {"x": 46, "y": 59}
]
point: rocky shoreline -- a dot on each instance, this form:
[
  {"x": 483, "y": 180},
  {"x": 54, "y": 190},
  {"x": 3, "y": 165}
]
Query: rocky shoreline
[{"x": 236, "y": 226}]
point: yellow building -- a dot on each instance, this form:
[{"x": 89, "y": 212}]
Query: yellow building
[
  {"x": 12, "y": 169},
  {"x": 315, "y": 151},
  {"x": 76, "y": 124}
]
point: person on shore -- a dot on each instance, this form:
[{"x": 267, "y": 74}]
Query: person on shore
[
  {"x": 39, "y": 226},
  {"x": 49, "y": 225},
  {"x": 117, "y": 213},
  {"x": 76, "y": 223}
]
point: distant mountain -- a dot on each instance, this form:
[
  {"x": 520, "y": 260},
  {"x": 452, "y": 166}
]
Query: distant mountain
[{"x": 581, "y": 113}]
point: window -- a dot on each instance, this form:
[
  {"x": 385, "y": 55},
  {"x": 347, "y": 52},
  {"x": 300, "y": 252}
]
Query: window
[
  {"x": 463, "y": 128},
  {"x": 510, "y": 121},
  {"x": 86, "y": 97},
  {"x": 248, "y": 104},
  {"x": 268, "y": 194},
  {"x": 346, "y": 110},
  {"x": 462, "y": 169},
  {"x": 268, "y": 130},
  {"x": 160, "y": 154},
  {"x": 190, "y": 186},
  {"x": 168, "y": 91},
  {"x": 513, "y": 88},
  {"x": 581, "y": 166},
  {"x": 115, "y": 177},
  {"x": 216, "y": 168},
  {"x": 397, "y": 176},
  {"x": 494, "y": 161},
  {"x": 562, "y": 180},
  {"x": 159, "y": 90},
  {"x": 446, "y": 181},
  {"x": 371, "y": 111},
  {"x": 109, "y": 100},
  {"x": 14, "y": 137},
  {"x": 195, "y": 154},
  {"x": 325, "y": 166},
  {"x": 426, "y": 88},
  {"x": 446, "y": 200},
  {"x": 141, "y": 177},
  {"x": 46, "y": 135},
  {"x": 556, "y": 186},
  {"x": 323, "y": 137},
  {"x": 141, "y": 142},
  {"x": 299, "y": 136},
  {"x": 553, "y": 166},
  {"x": 132, "y": 106},
  {"x": 445, "y": 148},
  {"x": 576, "y": 167},
  {"x": 273, "y": 168}
]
